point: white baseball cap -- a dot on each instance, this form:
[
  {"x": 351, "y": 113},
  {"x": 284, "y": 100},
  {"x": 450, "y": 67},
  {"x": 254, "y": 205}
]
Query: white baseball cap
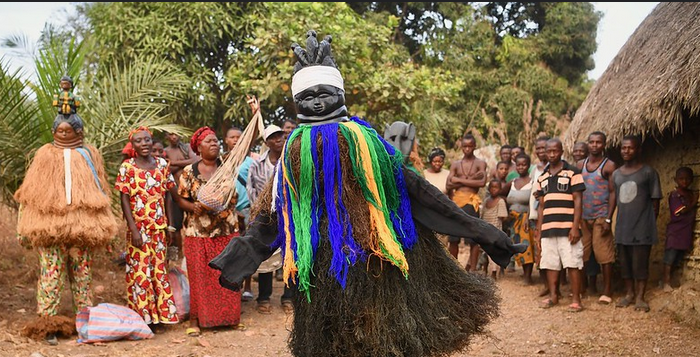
[{"x": 272, "y": 129}]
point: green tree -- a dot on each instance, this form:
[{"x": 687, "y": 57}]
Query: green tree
[
  {"x": 447, "y": 67},
  {"x": 567, "y": 41},
  {"x": 200, "y": 39},
  {"x": 516, "y": 19},
  {"x": 566, "y": 32},
  {"x": 382, "y": 84}
]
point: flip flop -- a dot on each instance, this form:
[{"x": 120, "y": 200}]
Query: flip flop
[
  {"x": 288, "y": 307},
  {"x": 642, "y": 306},
  {"x": 624, "y": 302},
  {"x": 264, "y": 308},
  {"x": 193, "y": 331},
  {"x": 604, "y": 300},
  {"x": 575, "y": 307},
  {"x": 547, "y": 303}
]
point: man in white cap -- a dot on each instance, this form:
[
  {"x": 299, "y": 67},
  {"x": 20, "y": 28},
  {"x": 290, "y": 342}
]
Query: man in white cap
[{"x": 259, "y": 173}]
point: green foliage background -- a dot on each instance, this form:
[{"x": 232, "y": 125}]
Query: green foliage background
[{"x": 504, "y": 71}]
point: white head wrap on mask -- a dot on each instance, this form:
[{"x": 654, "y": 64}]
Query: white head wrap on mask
[{"x": 310, "y": 76}]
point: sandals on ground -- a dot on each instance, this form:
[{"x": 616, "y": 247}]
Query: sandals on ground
[
  {"x": 51, "y": 339},
  {"x": 288, "y": 307},
  {"x": 246, "y": 296},
  {"x": 264, "y": 308},
  {"x": 604, "y": 300},
  {"x": 547, "y": 303},
  {"x": 193, "y": 331},
  {"x": 624, "y": 302},
  {"x": 642, "y": 306},
  {"x": 575, "y": 307}
]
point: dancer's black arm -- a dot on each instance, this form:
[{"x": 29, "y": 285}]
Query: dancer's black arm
[
  {"x": 436, "y": 211},
  {"x": 243, "y": 255}
]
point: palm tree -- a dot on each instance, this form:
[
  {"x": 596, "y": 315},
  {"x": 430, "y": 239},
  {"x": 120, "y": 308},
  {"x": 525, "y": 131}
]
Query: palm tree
[
  {"x": 20, "y": 130},
  {"x": 115, "y": 100}
]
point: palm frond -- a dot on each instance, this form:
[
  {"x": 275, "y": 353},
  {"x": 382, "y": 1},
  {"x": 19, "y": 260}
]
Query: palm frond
[
  {"x": 20, "y": 130},
  {"x": 121, "y": 99},
  {"x": 18, "y": 44}
]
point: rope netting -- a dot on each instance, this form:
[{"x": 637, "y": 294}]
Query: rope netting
[{"x": 221, "y": 187}]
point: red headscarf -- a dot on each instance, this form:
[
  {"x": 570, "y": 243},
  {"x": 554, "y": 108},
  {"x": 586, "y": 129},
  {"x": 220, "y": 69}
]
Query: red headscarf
[
  {"x": 128, "y": 150},
  {"x": 199, "y": 136}
]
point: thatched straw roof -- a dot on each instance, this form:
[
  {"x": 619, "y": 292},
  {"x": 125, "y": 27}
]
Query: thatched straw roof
[{"x": 653, "y": 82}]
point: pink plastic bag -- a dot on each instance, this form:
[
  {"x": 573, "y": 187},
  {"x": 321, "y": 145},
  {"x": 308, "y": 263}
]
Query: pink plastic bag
[
  {"x": 110, "y": 322},
  {"x": 181, "y": 291}
]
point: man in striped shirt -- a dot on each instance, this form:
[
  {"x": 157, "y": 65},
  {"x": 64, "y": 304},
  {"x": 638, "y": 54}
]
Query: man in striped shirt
[{"x": 559, "y": 191}]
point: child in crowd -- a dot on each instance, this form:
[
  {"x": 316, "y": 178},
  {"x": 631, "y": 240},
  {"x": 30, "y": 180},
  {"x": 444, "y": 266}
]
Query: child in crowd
[
  {"x": 679, "y": 232},
  {"x": 500, "y": 174},
  {"x": 494, "y": 212},
  {"x": 158, "y": 149},
  {"x": 502, "y": 168},
  {"x": 143, "y": 182}
]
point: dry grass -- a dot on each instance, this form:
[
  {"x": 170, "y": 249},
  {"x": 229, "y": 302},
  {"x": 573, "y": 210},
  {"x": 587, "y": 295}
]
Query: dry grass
[{"x": 652, "y": 83}]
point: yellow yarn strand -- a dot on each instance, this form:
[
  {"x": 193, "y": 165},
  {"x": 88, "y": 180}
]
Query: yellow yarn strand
[
  {"x": 290, "y": 267},
  {"x": 382, "y": 234}
]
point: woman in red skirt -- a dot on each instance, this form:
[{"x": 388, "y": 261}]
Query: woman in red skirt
[{"x": 206, "y": 235}]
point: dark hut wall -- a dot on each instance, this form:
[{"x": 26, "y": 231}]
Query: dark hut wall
[{"x": 666, "y": 155}]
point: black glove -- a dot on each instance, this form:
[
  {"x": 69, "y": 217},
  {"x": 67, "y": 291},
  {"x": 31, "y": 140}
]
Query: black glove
[
  {"x": 243, "y": 255},
  {"x": 439, "y": 213}
]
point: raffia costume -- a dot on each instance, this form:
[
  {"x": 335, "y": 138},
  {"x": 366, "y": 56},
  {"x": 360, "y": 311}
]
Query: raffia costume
[
  {"x": 65, "y": 214},
  {"x": 356, "y": 229}
]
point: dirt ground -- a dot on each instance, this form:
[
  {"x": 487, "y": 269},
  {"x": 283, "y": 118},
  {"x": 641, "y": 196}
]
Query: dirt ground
[{"x": 523, "y": 329}]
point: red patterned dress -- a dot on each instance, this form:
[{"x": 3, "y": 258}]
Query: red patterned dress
[
  {"x": 206, "y": 236},
  {"x": 147, "y": 286}
]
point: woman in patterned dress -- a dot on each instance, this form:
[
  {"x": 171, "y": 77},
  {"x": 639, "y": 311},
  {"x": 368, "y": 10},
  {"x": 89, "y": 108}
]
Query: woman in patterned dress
[
  {"x": 518, "y": 198},
  {"x": 143, "y": 182},
  {"x": 206, "y": 234}
]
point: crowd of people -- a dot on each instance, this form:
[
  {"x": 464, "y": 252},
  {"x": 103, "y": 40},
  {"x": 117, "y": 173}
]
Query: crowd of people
[{"x": 565, "y": 213}]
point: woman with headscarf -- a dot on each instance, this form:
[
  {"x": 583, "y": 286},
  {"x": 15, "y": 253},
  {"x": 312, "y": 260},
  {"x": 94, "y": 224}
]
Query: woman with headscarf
[
  {"x": 435, "y": 174},
  {"x": 143, "y": 182},
  {"x": 65, "y": 215},
  {"x": 206, "y": 234}
]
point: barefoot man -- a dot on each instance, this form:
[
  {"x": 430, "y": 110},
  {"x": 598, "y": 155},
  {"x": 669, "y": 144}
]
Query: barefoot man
[{"x": 466, "y": 177}]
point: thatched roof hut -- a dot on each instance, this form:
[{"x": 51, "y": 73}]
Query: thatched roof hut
[
  {"x": 653, "y": 82},
  {"x": 652, "y": 89}
]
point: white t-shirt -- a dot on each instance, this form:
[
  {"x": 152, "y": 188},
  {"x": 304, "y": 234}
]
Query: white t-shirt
[{"x": 536, "y": 172}]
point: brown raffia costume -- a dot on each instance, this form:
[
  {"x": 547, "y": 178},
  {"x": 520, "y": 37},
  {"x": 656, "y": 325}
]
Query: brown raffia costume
[
  {"x": 64, "y": 228},
  {"x": 47, "y": 219}
]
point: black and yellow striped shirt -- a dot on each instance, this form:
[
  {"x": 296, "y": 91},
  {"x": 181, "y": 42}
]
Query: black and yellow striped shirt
[{"x": 558, "y": 196}]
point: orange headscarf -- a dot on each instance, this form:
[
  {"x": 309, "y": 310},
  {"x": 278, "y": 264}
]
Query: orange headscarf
[
  {"x": 128, "y": 148},
  {"x": 140, "y": 128}
]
